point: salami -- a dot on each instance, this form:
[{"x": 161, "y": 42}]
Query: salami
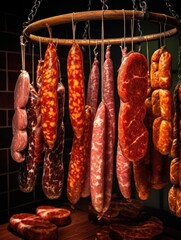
[
  {"x": 132, "y": 85},
  {"x": 48, "y": 95},
  {"x": 33, "y": 153},
  {"x": 76, "y": 171},
  {"x": 87, "y": 136},
  {"x": 108, "y": 161},
  {"x": 123, "y": 173},
  {"x": 92, "y": 103},
  {"x": 97, "y": 163},
  {"x": 53, "y": 168},
  {"x": 76, "y": 89},
  {"x": 132, "y": 79},
  {"x": 93, "y": 87},
  {"x": 108, "y": 89},
  {"x": 132, "y": 133}
]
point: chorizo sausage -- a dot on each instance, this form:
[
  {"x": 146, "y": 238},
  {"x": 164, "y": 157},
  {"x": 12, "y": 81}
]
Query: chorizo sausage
[
  {"x": 53, "y": 168},
  {"x": 76, "y": 171},
  {"x": 48, "y": 95},
  {"x": 76, "y": 90},
  {"x": 87, "y": 136}
]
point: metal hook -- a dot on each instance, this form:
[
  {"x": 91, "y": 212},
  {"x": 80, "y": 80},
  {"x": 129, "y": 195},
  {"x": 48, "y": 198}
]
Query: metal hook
[{"x": 94, "y": 50}]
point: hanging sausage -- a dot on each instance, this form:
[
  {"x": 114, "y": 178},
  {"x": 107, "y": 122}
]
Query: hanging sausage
[
  {"x": 76, "y": 89},
  {"x": 132, "y": 84},
  {"x": 48, "y": 95},
  {"x": 19, "y": 121}
]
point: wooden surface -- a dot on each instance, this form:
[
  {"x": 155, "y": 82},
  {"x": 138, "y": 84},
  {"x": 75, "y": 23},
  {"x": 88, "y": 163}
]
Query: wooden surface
[{"x": 81, "y": 229}]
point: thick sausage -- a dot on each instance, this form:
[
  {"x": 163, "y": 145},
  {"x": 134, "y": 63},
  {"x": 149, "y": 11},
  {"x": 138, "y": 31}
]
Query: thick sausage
[
  {"x": 162, "y": 135},
  {"x": 53, "y": 168},
  {"x": 87, "y": 136},
  {"x": 108, "y": 161},
  {"x": 123, "y": 173},
  {"x": 93, "y": 87},
  {"x": 48, "y": 95},
  {"x": 18, "y": 145},
  {"x": 19, "y": 121},
  {"x": 108, "y": 89},
  {"x": 164, "y": 70},
  {"x": 22, "y": 90},
  {"x": 33, "y": 153},
  {"x": 132, "y": 82},
  {"x": 154, "y": 74},
  {"x": 97, "y": 175},
  {"x": 76, "y": 90},
  {"x": 132, "y": 133},
  {"x": 76, "y": 171},
  {"x": 141, "y": 175}
]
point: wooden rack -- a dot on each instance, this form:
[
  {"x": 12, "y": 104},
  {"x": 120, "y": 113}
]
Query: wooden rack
[{"x": 159, "y": 18}]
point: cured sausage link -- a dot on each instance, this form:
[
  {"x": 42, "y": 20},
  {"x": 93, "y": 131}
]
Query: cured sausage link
[
  {"x": 123, "y": 173},
  {"x": 33, "y": 154},
  {"x": 19, "y": 122},
  {"x": 93, "y": 87},
  {"x": 97, "y": 164},
  {"x": 76, "y": 89},
  {"x": 76, "y": 171},
  {"x": 87, "y": 136},
  {"x": 108, "y": 161},
  {"x": 48, "y": 95},
  {"x": 108, "y": 89},
  {"x": 53, "y": 168}
]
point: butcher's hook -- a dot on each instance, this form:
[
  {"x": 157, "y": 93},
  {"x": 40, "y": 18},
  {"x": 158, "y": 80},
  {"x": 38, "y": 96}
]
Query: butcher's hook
[
  {"x": 95, "y": 53},
  {"x": 23, "y": 46}
]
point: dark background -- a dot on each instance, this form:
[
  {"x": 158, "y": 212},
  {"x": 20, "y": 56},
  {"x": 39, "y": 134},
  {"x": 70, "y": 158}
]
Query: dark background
[{"x": 12, "y": 16}]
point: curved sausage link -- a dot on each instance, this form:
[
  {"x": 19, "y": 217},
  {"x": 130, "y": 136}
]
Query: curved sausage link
[
  {"x": 53, "y": 168},
  {"x": 48, "y": 95},
  {"x": 93, "y": 87},
  {"x": 87, "y": 136},
  {"x": 97, "y": 158},
  {"x": 33, "y": 154},
  {"x": 108, "y": 89},
  {"x": 76, "y": 89}
]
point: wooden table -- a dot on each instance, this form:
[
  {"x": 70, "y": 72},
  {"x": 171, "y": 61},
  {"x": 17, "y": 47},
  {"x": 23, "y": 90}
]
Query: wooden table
[{"x": 81, "y": 229}]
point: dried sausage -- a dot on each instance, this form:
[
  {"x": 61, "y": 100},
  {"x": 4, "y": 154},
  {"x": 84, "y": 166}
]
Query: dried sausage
[
  {"x": 97, "y": 175},
  {"x": 76, "y": 90},
  {"x": 48, "y": 95}
]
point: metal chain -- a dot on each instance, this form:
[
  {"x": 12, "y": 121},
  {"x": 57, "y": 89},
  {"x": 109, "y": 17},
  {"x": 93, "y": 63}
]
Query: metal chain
[
  {"x": 32, "y": 13},
  {"x": 138, "y": 21},
  {"x": 171, "y": 9},
  {"x": 87, "y": 23},
  {"x": 104, "y": 5},
  {"x": 175, "y": 14}
]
